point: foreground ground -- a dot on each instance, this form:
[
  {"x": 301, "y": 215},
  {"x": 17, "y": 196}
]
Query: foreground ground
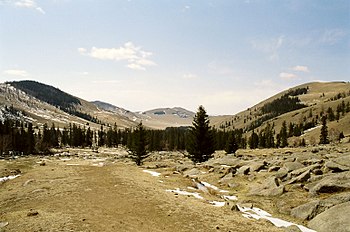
[{"x": 88, "y": 193}]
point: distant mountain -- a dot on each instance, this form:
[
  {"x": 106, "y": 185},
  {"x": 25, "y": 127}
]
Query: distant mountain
[{"x": 159, "y": 118}]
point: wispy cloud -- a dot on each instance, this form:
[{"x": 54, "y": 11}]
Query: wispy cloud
[
  {"x": 16, "y": 72},
  {"x": 270, "y": 47},
  {"x": 189, "y": 76},
  {"x": 29, "y": 4},
  {"x": 332, "y": 36},
  {"x": 288, "y": 76},
  {"x": 300, "y": 68},
  {"x": 135, "y": 56}
]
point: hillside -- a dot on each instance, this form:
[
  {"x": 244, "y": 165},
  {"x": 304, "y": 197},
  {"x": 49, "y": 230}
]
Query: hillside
[
  {"x": 312, "y": 100},
  {"x": 34, "y": 102}
]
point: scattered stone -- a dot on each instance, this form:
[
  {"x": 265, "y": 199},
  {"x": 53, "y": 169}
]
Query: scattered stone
[
  {"x": 273, "y": 168},
  {"x": 244, "y": 170},
  {"x": 336, "y": 167},
  {"x": 192, "y": 172},
  {"x": 292, "y": 228},
  {"x": 257, "y": 166},
  {"x": 306, "y": 211},
  {"x": 327, "y": 221},
  {"x": 301, "y": 178},
  {"x": 3, "y": 224},
  {"x": 270, "y": 188},
  {"x": 331, "y": 184},
  {"x": 291, "y": 166},
  {"x": 32, "y": 212},
  {"x": 27, "y": 182},
  {"x": 317, "y": 172},
  {"x": 343, "y": 160}
]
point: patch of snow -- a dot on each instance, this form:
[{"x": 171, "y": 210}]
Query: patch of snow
[
  {"x": 230, "y": 198},
  {"x": 153, "y": 173},
  {"x": 100, "y": 164},
  {"x": 225, "y": 166},
  {"x": 217, "y": 203},
  {"x": 209, "y": 185},
  {"x": 6, "y": 178},
  {"x": 180, "y": 192},
  {"x": 311, "y": 129},
  {"x": 257, "y": 213},
  {"x": 66, "y": 159}
]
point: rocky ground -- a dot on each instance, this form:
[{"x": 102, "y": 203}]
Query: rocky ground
[{"x": 80, "y": 190}]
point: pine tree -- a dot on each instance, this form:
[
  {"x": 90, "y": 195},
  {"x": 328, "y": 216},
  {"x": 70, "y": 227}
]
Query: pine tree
[
  {"x": 138, "y": 146},
  {"x": 200, "y": 146},
  {"x": 283, "y": 135},
  {"x": 324, "y": 131},
  {"x": 231, "y": 144}
]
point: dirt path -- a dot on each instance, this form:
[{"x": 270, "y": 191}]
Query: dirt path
[{"x": 115, "y": 197}]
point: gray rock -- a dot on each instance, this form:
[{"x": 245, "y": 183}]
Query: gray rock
[
  {"x": 244, "y": 170},
  {"x": 281, "y": 173},
  {"x": 3, "y": 224},
  {"x": 301, "y": 178},
  {"x": 335, "y": 167},
  {"x": 317, "y": 172},
  {"x": 304, "y": 169},
  {"x": 192, "y": 172},
  {"x": 332, "y": 183},
  {"x": 291, "y": 166},
  {"x": 270, "y": 188},
  {"x": 292, "y": 228},
  {"x": 306, "y": 211},
  {"x": 343, "y": 160},
  {"x": 257, "y": 166},
  {"x": 274, "y": 168},
  {"x": 227, "y": 179},
  {"x": 327, "y": 221}
]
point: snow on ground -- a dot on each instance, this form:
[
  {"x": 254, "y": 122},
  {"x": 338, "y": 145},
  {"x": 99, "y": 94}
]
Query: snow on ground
[
  {"x": 230, "y": 198},
  {"x": 153, "y": 173},
  {"x": 213, "y": 187},
  {"x": 257, "y": 213},
  {"x": 6, "y": 178},
  {"x": 217, "y": 203},
  {"x": 181, "y": 192}
]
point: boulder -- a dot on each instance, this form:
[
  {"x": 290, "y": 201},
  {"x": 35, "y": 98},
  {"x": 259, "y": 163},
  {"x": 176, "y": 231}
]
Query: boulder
[
  {"x": 227, "y": 179},
  {"x": 244, "y": 170},
  {"x": 274, "y": 168},
  {"x": 291, "y": 166},
  {"x": 270, "y": 188},
  {"x": 304, "y": 169},
  {"x": 335, "y": 167},
  {"x": 327, "y": 221},
  {"x": 292, "y": 228},
  {"x": 306, "y": 211},
  {"x": 343, "y": 160},
  {"x": 332, "y": 183},
  {"x": 301, "y": 178},
  {"x": 257, "y": 166},
  {"x": 192, "y": 172}
]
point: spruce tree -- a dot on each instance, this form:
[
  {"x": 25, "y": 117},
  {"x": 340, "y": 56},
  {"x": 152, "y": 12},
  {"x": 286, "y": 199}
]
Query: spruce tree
[
  {"x": 324, "y": 131},
  {"x": 231, "y": 144},
  {"x": 200, "y": 145},
  {"x": 283, "y": 135},
  {"x": 138, "y": 146}
]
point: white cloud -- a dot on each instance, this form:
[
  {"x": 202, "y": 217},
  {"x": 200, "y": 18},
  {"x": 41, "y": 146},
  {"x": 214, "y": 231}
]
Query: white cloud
[
  {"x": 135, "y": 56},
  {"x": 300, "y": 68},
  {"x": 16, "y": 72},
  {"x": 288, "y": 76},
  {"x": 332, "y": 36},
  {"x": 29, "y": 4}
]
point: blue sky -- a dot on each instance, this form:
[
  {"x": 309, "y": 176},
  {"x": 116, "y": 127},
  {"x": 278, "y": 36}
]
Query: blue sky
[{"x": 140, "y": 55}]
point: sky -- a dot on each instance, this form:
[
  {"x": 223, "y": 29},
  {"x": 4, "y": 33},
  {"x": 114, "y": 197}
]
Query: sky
[{"x": 226, "y": 55}]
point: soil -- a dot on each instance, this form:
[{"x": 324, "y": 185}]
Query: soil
[{"x": 108, "y": 194}]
